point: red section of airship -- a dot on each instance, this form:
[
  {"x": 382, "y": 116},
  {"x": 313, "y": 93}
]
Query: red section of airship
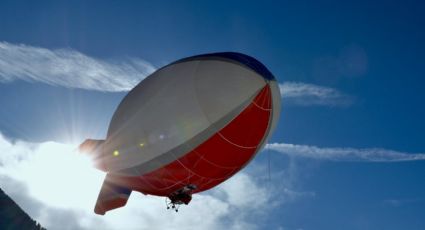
[{"x": 215, "y": 160}]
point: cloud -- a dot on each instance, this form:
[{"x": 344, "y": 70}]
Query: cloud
[
  {"x": 58, "y": 188},
  {"x": 68, "y": 219},
  {"x": 344, "y": 154},
  {"x": 70, "y": 68},
  {"x": 303, "y": 94}
]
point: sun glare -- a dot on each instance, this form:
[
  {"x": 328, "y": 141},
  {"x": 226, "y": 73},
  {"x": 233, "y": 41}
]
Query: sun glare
[{"x": 60, "y": 176}]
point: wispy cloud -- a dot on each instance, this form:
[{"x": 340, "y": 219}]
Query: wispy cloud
[
  {"x": 304, "y": 94},
  {"x": 401, "y": 202},
  {"x": 344, "y": 154},
  {"x": 70, "y": 68}
]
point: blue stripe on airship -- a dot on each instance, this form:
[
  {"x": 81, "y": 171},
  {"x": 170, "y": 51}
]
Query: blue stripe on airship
[{"x": 244, "y": 59}]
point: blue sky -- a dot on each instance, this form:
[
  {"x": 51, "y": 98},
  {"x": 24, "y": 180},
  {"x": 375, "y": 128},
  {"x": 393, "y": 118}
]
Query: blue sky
[{"x": 351, "y": 75}]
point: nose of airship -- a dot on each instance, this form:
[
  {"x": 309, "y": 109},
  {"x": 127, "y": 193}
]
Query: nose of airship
[{"x": 221, "y": 86}]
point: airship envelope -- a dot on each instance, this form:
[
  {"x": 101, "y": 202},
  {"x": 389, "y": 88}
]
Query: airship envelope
[{"x": 186, "y": 128}]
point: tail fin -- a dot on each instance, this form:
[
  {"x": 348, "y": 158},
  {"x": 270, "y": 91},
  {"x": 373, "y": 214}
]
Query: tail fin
[
  {"x": 111, "y": 196},
  {"x": 94, "y": 148}
]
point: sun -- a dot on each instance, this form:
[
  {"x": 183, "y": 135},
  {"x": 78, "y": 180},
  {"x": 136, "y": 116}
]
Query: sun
[{"x": 58, "y": 175}]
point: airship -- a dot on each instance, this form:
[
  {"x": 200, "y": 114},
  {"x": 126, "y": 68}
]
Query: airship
[{"x": 186, "y": 128}]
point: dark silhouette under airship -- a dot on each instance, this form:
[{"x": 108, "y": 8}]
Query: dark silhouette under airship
[{"x": 186, "y": 128}]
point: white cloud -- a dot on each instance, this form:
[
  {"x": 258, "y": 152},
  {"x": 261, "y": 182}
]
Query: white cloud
[
  {"x": 308, "y": 94},
  {"x": 344, "y": 154},
  {"x": 58, "y": 187},
  {"x": 72, "y": 69},
  {"x": 69, "y": 68}
]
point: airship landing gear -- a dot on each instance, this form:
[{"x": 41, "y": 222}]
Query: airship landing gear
[
  {"x": 171, "y": 205},
  {"x": 179, "y": 197}
]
